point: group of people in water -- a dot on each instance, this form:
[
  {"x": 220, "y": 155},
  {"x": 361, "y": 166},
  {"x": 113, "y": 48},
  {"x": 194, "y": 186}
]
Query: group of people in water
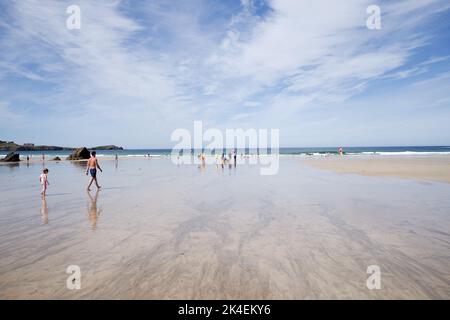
[
  {"x": 221, "y": 160},
  {"x": 29, "y": 158}
]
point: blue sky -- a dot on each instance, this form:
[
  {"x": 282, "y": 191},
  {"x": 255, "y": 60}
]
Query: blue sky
[{"x": 137, "y": 70}]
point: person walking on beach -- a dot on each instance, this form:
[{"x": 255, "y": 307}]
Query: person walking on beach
[
  {"x": 43, "y": 178},
  {"x": 91, "y": 168}
]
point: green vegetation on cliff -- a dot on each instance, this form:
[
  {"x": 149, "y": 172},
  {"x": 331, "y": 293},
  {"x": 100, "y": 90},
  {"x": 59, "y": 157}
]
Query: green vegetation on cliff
[{"x": 11, "y": 146}]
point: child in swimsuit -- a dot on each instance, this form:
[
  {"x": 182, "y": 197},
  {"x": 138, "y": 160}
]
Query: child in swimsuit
[{"x": 43, "y": 178}]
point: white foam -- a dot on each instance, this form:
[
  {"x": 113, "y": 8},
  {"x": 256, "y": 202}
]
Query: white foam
[{"x": 399, "y": 153}]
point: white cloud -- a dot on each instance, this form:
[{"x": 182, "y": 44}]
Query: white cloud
[{"x": 149, "y": 70}]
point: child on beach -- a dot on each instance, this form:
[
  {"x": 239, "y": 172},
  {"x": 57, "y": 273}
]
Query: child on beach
[{"x": 43, "y": 178}]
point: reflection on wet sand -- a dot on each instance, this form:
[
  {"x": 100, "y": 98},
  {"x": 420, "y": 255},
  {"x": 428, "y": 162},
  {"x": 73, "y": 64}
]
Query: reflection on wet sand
[
  {"x": 12, "y": 165},
  {"x": 44, "y": 211},
  {"x": 173, "y": 233},
  {"x": 93, "y": 211},
  {"x": 79, "y": 164}
]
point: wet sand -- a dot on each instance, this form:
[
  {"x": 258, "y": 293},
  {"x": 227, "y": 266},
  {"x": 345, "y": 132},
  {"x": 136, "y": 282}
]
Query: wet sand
[
  {"x": 434, "y": 168},
  {"x": 161, "y": 231}
]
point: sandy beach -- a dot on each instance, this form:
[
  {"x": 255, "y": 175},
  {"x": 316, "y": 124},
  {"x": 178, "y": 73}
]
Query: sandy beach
[
  {"x": 433, "y": 168},
  {"x": 161, "y": 231}
]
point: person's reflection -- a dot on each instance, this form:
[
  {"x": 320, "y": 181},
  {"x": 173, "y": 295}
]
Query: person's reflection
[
  {"x": 44, "y": 210},
  {"x": 93, "y": 212}
]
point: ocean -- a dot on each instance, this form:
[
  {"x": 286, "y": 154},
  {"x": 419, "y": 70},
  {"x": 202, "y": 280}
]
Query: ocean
[{"x": 387, "y": 151}]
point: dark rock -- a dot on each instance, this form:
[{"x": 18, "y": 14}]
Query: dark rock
[
  {"x": 56, "y": 159},
  {"x": 11, "y": 157},
  {"x": 80, "y": 154}
]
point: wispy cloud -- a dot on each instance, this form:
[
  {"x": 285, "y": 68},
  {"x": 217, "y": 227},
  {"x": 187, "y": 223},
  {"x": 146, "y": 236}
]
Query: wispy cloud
[{"x": 136, "y": 71}]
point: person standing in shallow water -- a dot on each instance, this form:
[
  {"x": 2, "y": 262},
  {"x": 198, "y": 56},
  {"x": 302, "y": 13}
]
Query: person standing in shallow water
[
  {"x": 91, "y": 168},
  {"x": 43, "y": 179}
]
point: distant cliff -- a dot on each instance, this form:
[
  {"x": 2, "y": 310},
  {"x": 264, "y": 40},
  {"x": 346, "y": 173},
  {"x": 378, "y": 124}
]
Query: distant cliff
[
  {"x": 11, "y": 146},
  {"x": 110, "y": 147},
  {"x": 8, "y": 146}
]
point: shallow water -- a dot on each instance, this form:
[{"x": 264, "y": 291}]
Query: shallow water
[{"x": 162, "y": 231}]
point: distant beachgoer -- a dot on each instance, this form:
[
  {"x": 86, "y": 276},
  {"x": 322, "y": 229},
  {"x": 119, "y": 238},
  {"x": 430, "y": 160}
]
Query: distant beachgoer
[
  {"x": 43, "y": 157},
  {"x": 341, "y": 151},
  {"x": 201, "y": 166},
  {"x": 28, "y": 159},
  {"x": 218, "y": 161},
  {"x": 203, "y": 159},
  {"x": 116, "y": 161},
  {"x": 91, "y": 168},
  {"x": 43, "y": 178},
  {"x": 234, "y": 156}
]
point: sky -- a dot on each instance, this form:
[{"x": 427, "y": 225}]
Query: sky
[{"x": 137, "y": 70}]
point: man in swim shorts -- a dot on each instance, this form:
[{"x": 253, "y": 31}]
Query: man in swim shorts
[{"x": 91, "y": 168}]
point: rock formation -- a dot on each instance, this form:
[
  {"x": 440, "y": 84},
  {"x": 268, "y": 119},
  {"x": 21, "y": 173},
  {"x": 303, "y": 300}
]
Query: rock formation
[
  {"x": 11, "y": 157},
  {"x": 80, "y": 154}
]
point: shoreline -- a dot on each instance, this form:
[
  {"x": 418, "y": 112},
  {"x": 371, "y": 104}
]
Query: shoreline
[{"x": 417, "y": 167}]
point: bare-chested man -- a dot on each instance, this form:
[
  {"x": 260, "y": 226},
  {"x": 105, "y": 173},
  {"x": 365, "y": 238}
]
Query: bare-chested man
[{"x": 91, "y": 168}]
